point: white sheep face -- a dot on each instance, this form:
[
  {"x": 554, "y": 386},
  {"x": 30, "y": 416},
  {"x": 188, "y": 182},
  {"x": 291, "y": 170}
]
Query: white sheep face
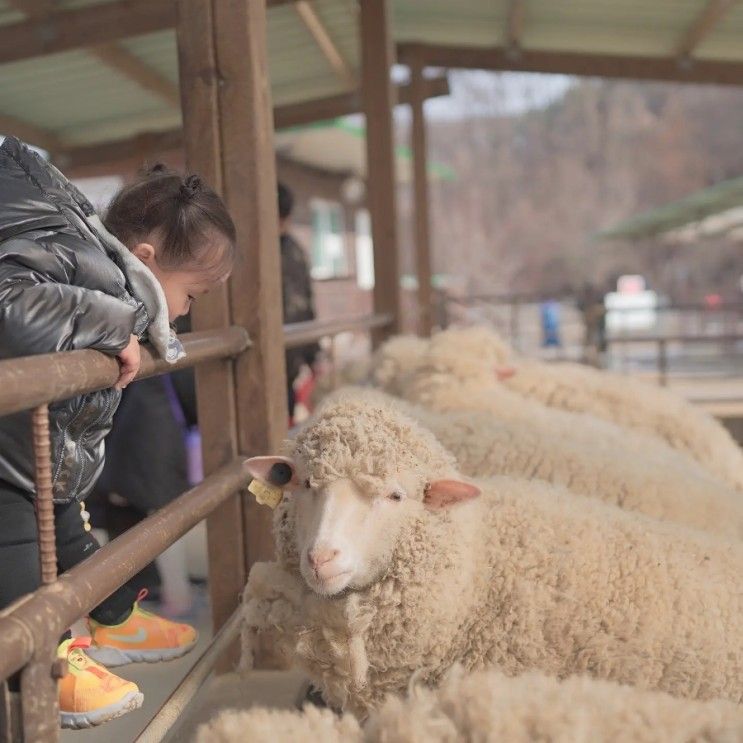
[{"x": 346, "y": 535}]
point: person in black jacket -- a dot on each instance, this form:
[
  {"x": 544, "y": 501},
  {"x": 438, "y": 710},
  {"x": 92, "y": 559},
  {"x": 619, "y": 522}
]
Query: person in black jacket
[
  {"x": 68, "y": 282},
  {"x": 296, "y": 291}
]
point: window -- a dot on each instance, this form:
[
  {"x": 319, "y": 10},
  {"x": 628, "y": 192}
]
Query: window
[
  {"x": 329, "y": 258},
  {"x": 364, "y": 251}
]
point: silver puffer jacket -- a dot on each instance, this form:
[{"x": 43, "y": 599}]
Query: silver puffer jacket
[{"x": 63, "y": 286}]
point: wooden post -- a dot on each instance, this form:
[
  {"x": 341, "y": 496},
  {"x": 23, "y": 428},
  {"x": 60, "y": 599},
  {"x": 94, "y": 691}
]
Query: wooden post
[
  {"x": 228, "y": 133},
  {"x": 377, "y": 94},
  {"x": 420, "y": 193}
]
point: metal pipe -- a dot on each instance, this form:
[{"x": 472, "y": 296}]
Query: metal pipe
[
  {"x": 173, "y": 708},
  {"x": 49, "y": 611},
  {"x": 44, "y": 502},
  {"x": 34, "y": 380},
  {"x": 300, "y": 333}
]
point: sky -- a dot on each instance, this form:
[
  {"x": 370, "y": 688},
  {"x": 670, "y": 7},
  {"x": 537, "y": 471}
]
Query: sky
[{"x": 480, "y": 93}]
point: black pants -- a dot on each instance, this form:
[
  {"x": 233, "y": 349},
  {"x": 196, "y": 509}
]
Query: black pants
[{"x": 20, "y": 568}]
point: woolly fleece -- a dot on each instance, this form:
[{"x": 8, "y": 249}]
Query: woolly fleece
[
  {"x": 637, "y": 405},
  {"x": 450, "y": 378},
  {"x": 526, "y": 577},
  {"x": 488, "y": 706},
  {"x": 613, "y": 397},
  {"x": 678, "y": 490}
]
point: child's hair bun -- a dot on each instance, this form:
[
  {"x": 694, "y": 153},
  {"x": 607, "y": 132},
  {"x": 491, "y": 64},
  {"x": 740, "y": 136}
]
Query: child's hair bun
[
  {"x": 157, "y": 169},
  {"x": 191, "y": 186}
]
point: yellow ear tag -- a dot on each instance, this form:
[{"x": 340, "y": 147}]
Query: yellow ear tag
[{"x": 266, "y": 495}]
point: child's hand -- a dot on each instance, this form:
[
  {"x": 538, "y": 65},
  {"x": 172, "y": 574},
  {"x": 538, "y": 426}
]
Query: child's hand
[{"x": 129, "y": 360}]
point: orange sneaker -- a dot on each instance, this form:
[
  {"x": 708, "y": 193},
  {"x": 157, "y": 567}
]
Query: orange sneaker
[
  {"x": 141, "y": 637},
  {"x": 89, "y": 694}
]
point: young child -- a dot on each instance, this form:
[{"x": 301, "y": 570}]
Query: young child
[{"x": 68, "y": 282}]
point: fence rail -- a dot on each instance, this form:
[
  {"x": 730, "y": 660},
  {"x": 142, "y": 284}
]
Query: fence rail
[
  {"x": 297, "y": 334},
  {"x": 34, "y": 380},
  {"x": 31, "y": 627}
]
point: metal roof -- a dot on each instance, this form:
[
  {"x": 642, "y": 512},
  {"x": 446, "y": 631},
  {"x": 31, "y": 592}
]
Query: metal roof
[
  {"x": 338, "y": 146},
  {"x": 712, "y": 210},
  {"x": 85, "y": 95}
]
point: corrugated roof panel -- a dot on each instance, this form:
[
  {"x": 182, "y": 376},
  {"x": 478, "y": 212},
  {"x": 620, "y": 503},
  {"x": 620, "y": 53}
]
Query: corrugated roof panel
[
  {"x": 70, "y": 92},
  {"x": 725, "y": 41},
  {"x": 157, "y": 50},
  {"x": 299, "y": 70},
  {"x": 8, "y": 14},
  {"x": 468, "y": 22},
  {"x": 340, "y": 19},
  {"x": 627, "y": 27}
]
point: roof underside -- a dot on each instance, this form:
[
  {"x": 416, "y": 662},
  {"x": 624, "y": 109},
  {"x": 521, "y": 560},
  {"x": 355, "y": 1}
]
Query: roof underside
[{"x": 84, "y": 96}]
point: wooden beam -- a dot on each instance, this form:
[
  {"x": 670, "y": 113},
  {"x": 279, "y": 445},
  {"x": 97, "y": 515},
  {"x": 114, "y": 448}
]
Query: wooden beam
[
  {"x": 312, "y": 21},
  {"x": 376, "y": 62},
  {"x": 61, "y": 30},
  {"x": 95, "y": 158},
  {"x": 215, "y": 382},
  {"x": 515, "y": 29},
  {"x": 420, "y": 199},
  {"x": 123, "y": 61},
  {"x": 10, "y": 126},
  {"x": 570, "y": 63},
  {"x": 228, "y": 138},
  {"x": 33, "y": 8},
  {"x": 705, "y": 22}
]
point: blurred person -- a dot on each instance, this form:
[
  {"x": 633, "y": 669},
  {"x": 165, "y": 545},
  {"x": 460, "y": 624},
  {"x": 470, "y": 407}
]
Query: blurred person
[
  {"x": 69, "y": 281},
  {"x": 549, "y": 312},
  {"x": 591, "y": 305},
  {"x": 297, "y": 295}
]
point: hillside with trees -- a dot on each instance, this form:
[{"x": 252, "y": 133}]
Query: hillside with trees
[{"x": 533, "y": 188}]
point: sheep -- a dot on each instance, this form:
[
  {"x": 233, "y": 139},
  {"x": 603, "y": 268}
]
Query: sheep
[
  {"x": 487, "y": 705},
  {"x": 675, "y": 489},
  {"x": 261, "y": 725},
  {"x": 394, "y": 359},
  {"x": 450, "y": 377},
  {"x": 613, "y": 397},
  {"x": 391, "y": 563}
]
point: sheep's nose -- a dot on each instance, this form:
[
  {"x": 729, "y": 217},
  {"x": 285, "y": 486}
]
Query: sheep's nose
[{"x": 319, "y": 556}]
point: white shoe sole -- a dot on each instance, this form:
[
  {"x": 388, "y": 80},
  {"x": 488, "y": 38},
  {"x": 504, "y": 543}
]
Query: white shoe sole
[
  {"x": 81, "y": 720},
  {"x": 113, "y": 657}
]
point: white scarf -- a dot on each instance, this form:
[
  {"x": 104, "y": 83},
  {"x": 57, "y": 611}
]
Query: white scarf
[{"x": 148, "y": 290}]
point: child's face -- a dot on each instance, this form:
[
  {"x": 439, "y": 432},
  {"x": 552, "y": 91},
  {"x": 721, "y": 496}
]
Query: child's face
[{"x": 181, "y": 287}]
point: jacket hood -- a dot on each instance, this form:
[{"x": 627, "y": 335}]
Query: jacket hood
[{"x": 36, "y": 198}]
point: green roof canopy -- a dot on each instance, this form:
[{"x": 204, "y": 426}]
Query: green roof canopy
[{"x": 710, "y": 201}]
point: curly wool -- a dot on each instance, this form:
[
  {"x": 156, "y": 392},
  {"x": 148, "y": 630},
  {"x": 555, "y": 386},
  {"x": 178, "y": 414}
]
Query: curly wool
[
  {"x": 525, "y": 577},
  {"x": 616, "y": 398},
  {"x": 448, "y": 382},
  {"x": 677, "y": 489},
  {"x": 366, "y": 442},
  {"x": 636, "y": 405},
  {"x": 487, "y": 705},
  {"x": 260, "y": 725},
  {"x": 394, "y": 360}
]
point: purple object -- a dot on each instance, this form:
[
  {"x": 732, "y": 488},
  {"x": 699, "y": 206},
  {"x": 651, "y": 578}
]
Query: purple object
[{"x": 191, "y": 436}]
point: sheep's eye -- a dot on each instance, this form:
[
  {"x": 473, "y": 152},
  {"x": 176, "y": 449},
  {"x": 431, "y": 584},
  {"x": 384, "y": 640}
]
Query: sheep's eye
[
  {"x": 307, "y": 483},
  {"x": 396, "y": 496}
]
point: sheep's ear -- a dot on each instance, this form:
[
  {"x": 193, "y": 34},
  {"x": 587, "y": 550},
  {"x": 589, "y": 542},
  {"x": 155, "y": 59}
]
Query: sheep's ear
[
  {"x": 504, "y": 372},
  {"x": 445, "y": 493},
  {"x": 277, "y": 471}
]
